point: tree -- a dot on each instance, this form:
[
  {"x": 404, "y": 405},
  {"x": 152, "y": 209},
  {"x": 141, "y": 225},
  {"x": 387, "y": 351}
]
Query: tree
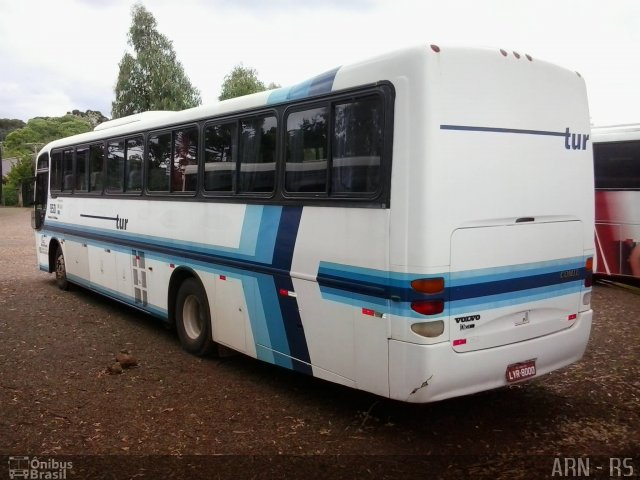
[
  {"x": 41, "y": 130},
  {"x": 22, "y": 170},
  {"x": 242, "y": 81},
  {"x": 8, "y": 125},
  {"x": 94, "y": 117},
  {"x": 24, "y": 142},
  {"x": 152, "y": 78}
]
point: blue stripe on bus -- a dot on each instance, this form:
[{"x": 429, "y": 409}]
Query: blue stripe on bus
[
  {"x": 318, "y": 85},
  {"x": 118, "y": 296},
  {"x": 513, "y": 298},
  {"x": 262, "y": 261},
  {"x": 464, "y": 290}
]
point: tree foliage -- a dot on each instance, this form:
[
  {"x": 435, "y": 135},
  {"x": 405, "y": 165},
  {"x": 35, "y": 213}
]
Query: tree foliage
[
  {"x": 24, "y": 142},
  {"x": 40, "y": 131},
  {"x": 8, "y": 125},
  {"x": 22, "y": 170},
  {"x": 94, "y": 117},
  {"x": 151, "y": 78},
  {"x": 242, "y": 81}
]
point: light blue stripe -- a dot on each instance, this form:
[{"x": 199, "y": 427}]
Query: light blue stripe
[
  {"x": 258, "y": 234},
  {"x": 485, "y": 275},
  {"x": 268, "y": 299},
  {"x": 267, "y": 234},
  {"x": 257, "y": 317},
  {"x": 513, "y": 298},
  {"x": 278, "y": 96},
  {"x": 375, "y": 276},
  {"x": 129, "y": 300},
  {"x": 456, "y": 279}
]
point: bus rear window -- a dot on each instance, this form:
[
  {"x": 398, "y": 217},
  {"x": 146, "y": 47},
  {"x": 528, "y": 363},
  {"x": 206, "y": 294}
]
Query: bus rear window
[{"x": 617, "y": 165}]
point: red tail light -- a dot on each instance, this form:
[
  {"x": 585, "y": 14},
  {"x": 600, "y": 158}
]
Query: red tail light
[{"x": 428, "y": 307}]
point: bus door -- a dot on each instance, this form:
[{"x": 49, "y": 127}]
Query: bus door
[{"x": 41, "y": 192}]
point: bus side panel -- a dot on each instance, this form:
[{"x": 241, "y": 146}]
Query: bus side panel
[{"x": 346, "y": 328}]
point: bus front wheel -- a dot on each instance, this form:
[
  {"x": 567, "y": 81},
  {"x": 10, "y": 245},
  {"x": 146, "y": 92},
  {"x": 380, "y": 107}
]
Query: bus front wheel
[
  {"x": 61, "y": 270},
  {"x": 193, "y": 320}
]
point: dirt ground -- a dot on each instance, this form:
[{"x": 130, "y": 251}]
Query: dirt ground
[{"x": 178, "y": 416}]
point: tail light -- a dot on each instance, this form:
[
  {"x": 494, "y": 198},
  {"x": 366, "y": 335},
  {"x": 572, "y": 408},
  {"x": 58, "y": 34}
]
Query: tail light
[
  {"x": 429, "y": 286},
  {"x": 428, "y": 307},
  {"x": 588, "y": 272}
]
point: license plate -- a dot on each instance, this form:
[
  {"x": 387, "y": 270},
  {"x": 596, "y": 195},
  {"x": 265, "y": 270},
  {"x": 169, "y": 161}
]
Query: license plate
[{"x": 521, "y": 371}]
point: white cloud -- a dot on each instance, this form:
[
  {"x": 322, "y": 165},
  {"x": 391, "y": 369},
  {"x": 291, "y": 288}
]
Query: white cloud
[{"x": 62, "y": 55}]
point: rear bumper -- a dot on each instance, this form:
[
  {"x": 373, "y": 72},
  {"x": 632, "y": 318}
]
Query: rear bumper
[{"x": 427, "y": 373}]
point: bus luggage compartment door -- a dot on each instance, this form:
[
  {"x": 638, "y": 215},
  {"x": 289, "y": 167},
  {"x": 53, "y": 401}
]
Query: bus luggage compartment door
[{"x": 511, "y": 283}]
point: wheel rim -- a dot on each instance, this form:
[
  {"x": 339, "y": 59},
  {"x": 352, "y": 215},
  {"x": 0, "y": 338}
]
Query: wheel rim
[
  {"x": 192, "y": 317},
  {"x": 61, "y": 273}
]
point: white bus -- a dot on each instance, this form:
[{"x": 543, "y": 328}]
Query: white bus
[
  {"x": 616, "y": 156},
  {"x": 418, "y": 225}
]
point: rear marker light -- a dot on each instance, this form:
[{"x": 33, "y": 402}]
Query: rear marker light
[
  {"x": 589, "y": 263},
  {"x": 588, "y": 275},
  {"x": 435, "y": 48},
  {"x": 372, "y": 313},
  {"x": 286, "y": 293},
  {"x": 223, "y": 277},
  {"x": 172, "y": 265},
  {"x": 461, "y": 341},
  {"x": 573, "y": 316}
]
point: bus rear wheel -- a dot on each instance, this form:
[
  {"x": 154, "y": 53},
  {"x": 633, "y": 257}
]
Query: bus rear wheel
[
  {"x": 61, "y": 270},
  {"x": 193, "y": 320}
]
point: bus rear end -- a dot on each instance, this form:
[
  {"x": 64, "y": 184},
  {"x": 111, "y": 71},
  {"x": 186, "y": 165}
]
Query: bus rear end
[{"x": 501, "y": 210}]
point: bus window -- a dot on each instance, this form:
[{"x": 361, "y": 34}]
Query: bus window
[
  {"x": 96, "y": 157},
  {"x": 257, "y": 155},
  {"x": 67, "y": 171},
  {"x": 82, "y": 159},
  {"x": 115, "y": 165},
  {"x": 307, "y": 146},
  {"x": 220, "y": 149},
  {"x": 617, "y": 165},
  {"x": 185, "y": 161},
  {"x": 133, "y": 165},
  {"x": 56, "y": 171},
  {"x": 357, "y": 146},
  {"x": 159, "y": 152}
]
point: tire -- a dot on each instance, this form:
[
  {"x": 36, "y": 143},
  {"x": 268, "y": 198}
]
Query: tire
[
  {"x": 61, "y": 270},
  {"x": 193, "y": 320}
]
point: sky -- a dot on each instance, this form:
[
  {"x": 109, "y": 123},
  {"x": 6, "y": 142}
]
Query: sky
[{"x": 57, "y": 56}]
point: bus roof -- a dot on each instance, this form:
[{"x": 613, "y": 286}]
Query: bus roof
[{"x": 616, "y": 133}]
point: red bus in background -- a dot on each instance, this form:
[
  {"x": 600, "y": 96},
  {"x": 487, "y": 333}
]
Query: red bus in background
[{"x": 616, "y": 154}]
